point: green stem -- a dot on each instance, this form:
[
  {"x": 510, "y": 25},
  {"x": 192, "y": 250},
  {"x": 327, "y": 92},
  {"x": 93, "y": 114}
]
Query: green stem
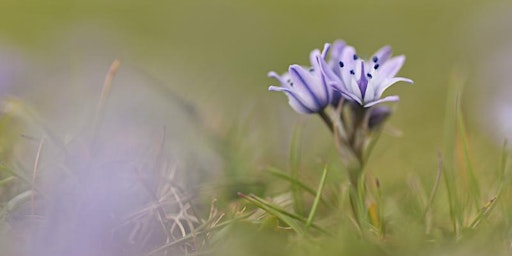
[
  {"x": 358, "y": 196},
  {"x": 327, "y": 120}
]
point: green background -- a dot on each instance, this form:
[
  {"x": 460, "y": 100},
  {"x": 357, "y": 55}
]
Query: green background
[{"x": 216, "y": 54}]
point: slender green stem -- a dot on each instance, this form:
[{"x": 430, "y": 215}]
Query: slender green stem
[
  {"x": 354, "y": 203},
  {"x": 327, "y": 120},
  {"x": 356, "y": 195}
]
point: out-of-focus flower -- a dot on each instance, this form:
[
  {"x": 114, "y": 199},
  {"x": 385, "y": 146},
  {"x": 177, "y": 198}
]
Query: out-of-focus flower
[
  {"x": 362, "y": 81},
  {"x": 378, "y": 115},
  {"x": 307, "y": 89}
]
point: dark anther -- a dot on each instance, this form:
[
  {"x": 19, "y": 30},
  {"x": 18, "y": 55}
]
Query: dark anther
[
  {"x": 311, "y": 69},
  {"x": 352, "y": 72},
  {"x": 369, "y": 75},
  {"x": 355, "y": 57},
  {"x": 376, "y": 66},
  {"x": 375, "y": 59},
  {"x": 341, "y": 64}
]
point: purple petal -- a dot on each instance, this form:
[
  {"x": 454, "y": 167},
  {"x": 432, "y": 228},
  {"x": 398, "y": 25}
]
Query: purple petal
[
  {"x": 347, "y": 58},
  {"x": 354, "y": 88},
  {"x": 274, "y": 88},
  {"x": 295, "y": 101},
  {"x": 381, "y": 55},
  {"x": 297, "y": 104},
  {"x": 353, "y": 97},
  {"x": 325, "y": 50},
  {"x": 312, "y": 92},
  {"x": 391, "y": 67},
  {"x": 388, "y": 82},
  {"x": 325, "y": 83},
  {"x": 312, "y": 58},
  {"x": 331, "y": 77},
  {"x": 370, "y": 90},
  {"x": 385, "y": 99},
  {"x": 279, "y": 78},
  {"x": 337, "y": 48}
]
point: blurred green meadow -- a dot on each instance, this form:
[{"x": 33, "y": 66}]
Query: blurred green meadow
[{"x": 189, "y": 108}]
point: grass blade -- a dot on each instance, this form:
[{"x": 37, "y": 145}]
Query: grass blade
[
  {"x": 276, "y": 172},
  {"x": 7, "y": 180},
  {"x": 295, "y": 149},
  {"x": 271, "y": 209},
  {"x": 317, "y": 198},
  {"x": 435, "y": 187},
  {"x": 282, "y": 215},
  {"x": 484, "y": 212},
  {"x": 462, "y": 134}
]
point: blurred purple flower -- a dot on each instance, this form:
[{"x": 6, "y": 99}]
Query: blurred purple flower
[
  {"x": 307, "y": 89},
  {"x": 359, "y": 80},
  {"x": 378, "y": 115}
]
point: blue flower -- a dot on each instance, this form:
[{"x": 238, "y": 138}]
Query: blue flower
[
  {"x": 362, "y": 81},
  {"x": 307, "y": 89}
]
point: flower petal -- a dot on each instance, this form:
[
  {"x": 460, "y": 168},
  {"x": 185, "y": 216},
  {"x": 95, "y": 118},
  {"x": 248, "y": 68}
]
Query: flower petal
[
  {"x": 354, "y": 88},
  {"x": 336, "y": 50},
  {"x": 325, "y": 82},
  {"x": 310, "y": 89},
  {"x": 312, "y": 58},
  {"x": 385, "y": 99},
  {"x": 370, "y": 90},
  {"x": 331, "y": 77},
  {"x": 352, "y": 96},
  {"x": 274, "y": 88},
  {"x": 381, "y": 55},
  {"x": 297, "y": 105},
  {"x": 391, "y": 67},
  {"x": 326, "y": 49},
  {"x": 284, "y": 79},
  {"x": 388, "y": 82},
  {"x": 347, "y": 59},
  {"x": 294, "y": 100}
]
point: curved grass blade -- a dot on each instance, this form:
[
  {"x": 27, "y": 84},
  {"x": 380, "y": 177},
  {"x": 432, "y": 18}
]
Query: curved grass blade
[
  {"x": 317, "y": 198},
  {"x": 276, "y": 172}
]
